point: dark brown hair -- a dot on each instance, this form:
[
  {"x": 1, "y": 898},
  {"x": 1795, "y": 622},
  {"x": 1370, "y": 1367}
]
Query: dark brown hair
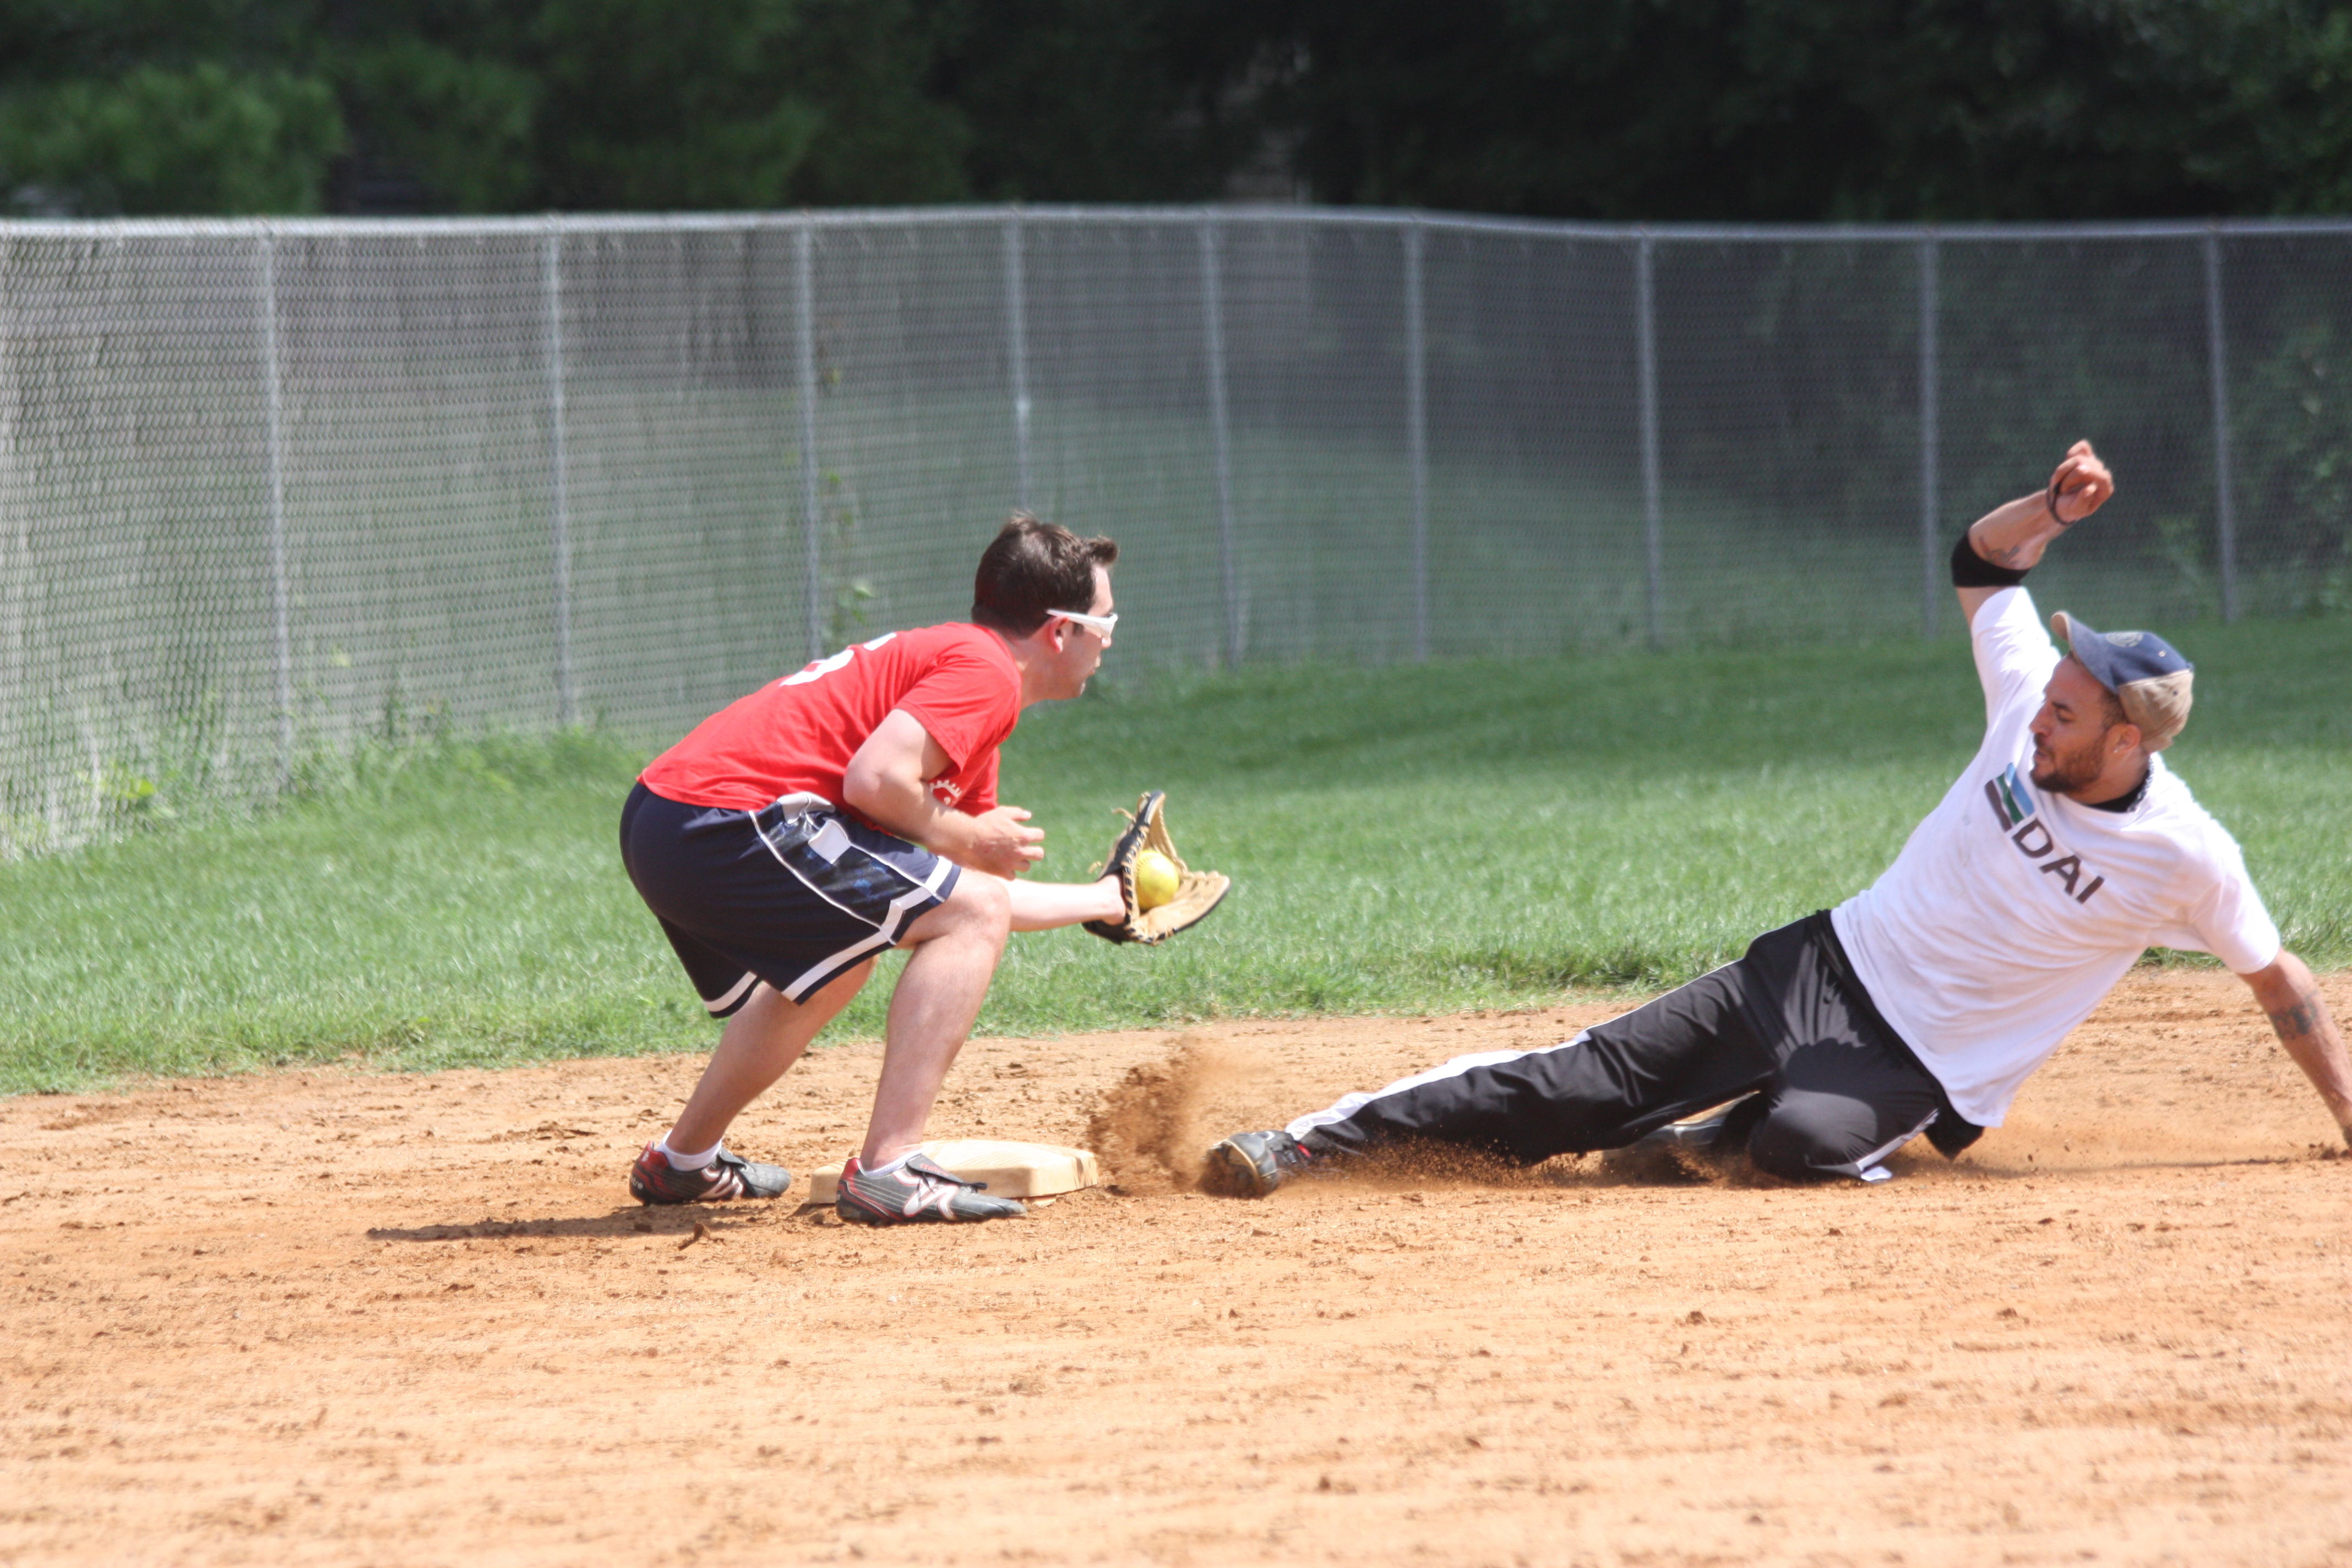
[
  {"x": 1031, "y": 568},
  {"x": 2111, "y": 709}
]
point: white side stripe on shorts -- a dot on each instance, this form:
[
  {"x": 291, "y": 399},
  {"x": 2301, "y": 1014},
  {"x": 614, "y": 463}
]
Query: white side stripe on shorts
[
  {"x": 1348, "y": 1104},
  {"x": 1868, "y": 1169},
  {"x": 883, "y": 936},
  {"x": 782, "y": 860},
  {"x": 734, "y": 994}
]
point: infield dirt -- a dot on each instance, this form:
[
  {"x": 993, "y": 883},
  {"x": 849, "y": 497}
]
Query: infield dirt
[{"x": 329, "y": 1317}]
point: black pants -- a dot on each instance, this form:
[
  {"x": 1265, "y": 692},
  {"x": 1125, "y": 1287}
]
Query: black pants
[{"x": 1790, "y": 1021}]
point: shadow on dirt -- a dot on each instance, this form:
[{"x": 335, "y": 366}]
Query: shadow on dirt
[{"x": 684, "y": 1221}]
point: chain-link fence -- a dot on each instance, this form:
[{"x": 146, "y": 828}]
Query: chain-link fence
[{"x": 267, "y": 488}]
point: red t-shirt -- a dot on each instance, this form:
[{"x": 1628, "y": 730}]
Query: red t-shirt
[{"x": 798, "y": 734}]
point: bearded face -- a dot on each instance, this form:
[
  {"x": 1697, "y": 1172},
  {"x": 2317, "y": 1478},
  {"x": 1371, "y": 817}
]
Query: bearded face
[
  {"x": 2064, "y": 773},
  {"x": 2074, "y": 733}
]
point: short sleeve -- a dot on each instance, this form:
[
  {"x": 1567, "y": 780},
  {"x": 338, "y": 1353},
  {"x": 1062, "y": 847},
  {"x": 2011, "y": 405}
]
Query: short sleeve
[
  {"x": 2230, "y": 921},
  {"x": 2013, "y": 651},
  {"x": 980, "y": 795},
  {"x": 967, "y": 703}
]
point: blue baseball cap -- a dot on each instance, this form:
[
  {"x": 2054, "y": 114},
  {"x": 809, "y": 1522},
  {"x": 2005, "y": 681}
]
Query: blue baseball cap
[
  {"x": 2148, "y": 675},
  {"x": 2116, "y": 659}
]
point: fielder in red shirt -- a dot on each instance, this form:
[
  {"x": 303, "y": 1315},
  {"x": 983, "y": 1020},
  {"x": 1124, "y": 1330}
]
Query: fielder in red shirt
[{"x": 849, "y": 808}]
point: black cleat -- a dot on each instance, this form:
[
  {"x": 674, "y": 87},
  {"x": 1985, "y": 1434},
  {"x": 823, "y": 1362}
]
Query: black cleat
[
  {"x": 653, "y": 1180},
  {"x": 1251, "y": 1164},
  {"x": 920, "y": 1192}
]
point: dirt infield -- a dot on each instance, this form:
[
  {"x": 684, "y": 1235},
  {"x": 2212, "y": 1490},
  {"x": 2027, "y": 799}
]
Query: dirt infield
[{"x": 341, "y": 1318}]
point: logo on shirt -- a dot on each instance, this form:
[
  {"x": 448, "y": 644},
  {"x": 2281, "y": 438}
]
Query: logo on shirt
[{"x": 2019, "y": 814}]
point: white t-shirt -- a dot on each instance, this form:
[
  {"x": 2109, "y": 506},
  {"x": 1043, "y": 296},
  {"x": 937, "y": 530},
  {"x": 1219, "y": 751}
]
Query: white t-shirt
[{"x": 2012, "y": 911}]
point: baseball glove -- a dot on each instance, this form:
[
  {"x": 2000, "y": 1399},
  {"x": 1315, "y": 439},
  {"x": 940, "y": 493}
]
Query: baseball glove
[{"x": 1197, "y": 892}]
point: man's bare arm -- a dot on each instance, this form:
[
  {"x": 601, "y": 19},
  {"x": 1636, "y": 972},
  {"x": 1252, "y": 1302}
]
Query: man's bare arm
[
  {"x": 2015, "y": 534},
  {"x": 886, "y": 781},
  {"x": 2307, "y": 1030}
]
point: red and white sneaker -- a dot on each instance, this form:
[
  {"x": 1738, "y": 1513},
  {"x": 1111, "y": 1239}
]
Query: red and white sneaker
[{"x": 653, "y": 1180}]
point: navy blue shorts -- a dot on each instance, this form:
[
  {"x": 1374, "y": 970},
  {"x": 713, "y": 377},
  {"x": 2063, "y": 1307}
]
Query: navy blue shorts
[{"x": 793, "y": 894}]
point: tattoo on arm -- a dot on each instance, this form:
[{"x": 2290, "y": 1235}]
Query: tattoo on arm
[{"x": 2300, "y": 1016}]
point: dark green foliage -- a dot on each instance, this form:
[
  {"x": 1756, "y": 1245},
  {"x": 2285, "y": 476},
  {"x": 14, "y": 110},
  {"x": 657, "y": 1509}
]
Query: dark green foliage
[
  {"x": 1798, "y": 109},
  {"x": 239, "y": 142},
  {"x": 1099, "y": 100},
  {"x": 737, "y": 103},
  {"x": 462, "y": 126},
  {"x": 1611, "y": 108}
]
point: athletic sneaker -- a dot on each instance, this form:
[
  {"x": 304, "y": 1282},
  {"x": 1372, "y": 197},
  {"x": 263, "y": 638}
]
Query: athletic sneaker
[
  {"x": 653, "y": 1180},
  {"x": 918, "y": 1192},
  {"x": 1251, "y": 1164}
]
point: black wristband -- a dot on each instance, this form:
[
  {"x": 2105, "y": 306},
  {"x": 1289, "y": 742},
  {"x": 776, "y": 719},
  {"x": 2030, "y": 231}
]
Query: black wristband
[{"x": 1970, "y": 570}]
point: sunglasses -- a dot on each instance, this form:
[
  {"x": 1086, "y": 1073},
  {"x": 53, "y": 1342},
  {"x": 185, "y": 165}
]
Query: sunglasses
[{"x": 1099, "y": 624}]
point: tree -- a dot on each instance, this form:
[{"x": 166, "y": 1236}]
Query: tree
[
  {"x": 138, "y": 106},
  {"x": 1099, "y": 100},
  {"x": 737, "y": 103},
  {"x": 1808, "y": 109},
  {"x": 146, "y": 106},
  {"x": 1726, "y": 109}
]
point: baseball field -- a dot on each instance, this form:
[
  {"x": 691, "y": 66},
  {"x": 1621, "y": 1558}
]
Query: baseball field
[
  {"x": 317, "y": 1249},
  {"x": 334, "y": 1316}
]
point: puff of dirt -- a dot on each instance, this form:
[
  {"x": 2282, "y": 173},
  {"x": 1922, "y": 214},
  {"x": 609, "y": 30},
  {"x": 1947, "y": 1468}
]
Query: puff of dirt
[
  {"x": 1153, "y": 1127},
  {"x": 1153, "y": 1130}
]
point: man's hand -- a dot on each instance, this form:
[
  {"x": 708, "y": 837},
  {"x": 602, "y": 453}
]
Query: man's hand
[
  {"x": 888, "y": 782},
  {"x": 2080, "y": 487},
  {"x": 998, "y": 844},
  {"x": 2299, "y": 1015},
  {"x": 2015, "y": 534}
]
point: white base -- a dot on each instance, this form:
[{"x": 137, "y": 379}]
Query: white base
[{"x": 1011, "y": 1170}]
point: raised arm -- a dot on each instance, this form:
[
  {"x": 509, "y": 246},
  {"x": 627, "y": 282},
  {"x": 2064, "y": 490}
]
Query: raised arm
[
  {"x": 2299, "y": 1013},
  {"x": 2014, "y": 534}
]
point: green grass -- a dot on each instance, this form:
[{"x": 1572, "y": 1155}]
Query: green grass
[{"x": 1402, "y": 840}]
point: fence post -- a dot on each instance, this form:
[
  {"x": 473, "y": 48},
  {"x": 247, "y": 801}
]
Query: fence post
[
  {"x": 280, "y": 605},
  {"x": 1930, "y": 434},
  {"x": 1017, "y": 332},
  {"x": 1213, "y": 315},
  {"x": 804, "y": 315},
  {"x": 1416, "y": 388},
  {"x": 15, "y": 552},
  {"x": 2217, "y": 355},
  {"x": 1646, "y": 348},
  {"x": 559, "y": 490}
]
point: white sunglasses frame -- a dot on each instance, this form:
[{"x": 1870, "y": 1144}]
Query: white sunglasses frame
[{"x": 1101, "y": 626}]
